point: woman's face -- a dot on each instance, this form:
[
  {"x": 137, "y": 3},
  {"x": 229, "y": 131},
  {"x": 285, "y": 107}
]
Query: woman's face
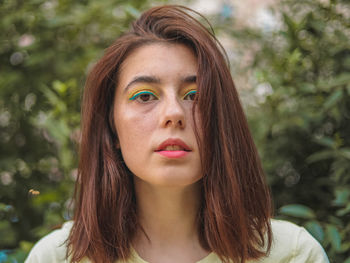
[{"x": 153, "y": 114}]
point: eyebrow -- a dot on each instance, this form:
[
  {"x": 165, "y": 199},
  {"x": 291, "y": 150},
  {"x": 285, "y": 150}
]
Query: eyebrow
[
  {"x": 154, "y": 80},
  {"x": 189, "y": 79}
]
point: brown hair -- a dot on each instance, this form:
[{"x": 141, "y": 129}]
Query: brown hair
[{"x": 234, "y": 219}]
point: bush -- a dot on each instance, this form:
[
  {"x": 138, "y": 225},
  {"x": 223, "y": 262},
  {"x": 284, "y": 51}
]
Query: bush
[
  {"x": 46, "y": 49},
  {"x": 299, "y": 111}
]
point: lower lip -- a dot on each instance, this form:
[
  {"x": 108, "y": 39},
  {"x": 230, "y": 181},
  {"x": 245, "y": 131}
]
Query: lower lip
[{"x": 173, "y": 154}]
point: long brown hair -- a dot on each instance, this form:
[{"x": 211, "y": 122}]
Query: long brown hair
[{"x": 234, "y": 218}]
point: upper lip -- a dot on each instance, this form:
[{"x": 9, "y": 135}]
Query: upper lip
[{"x": 173, "y": 141}]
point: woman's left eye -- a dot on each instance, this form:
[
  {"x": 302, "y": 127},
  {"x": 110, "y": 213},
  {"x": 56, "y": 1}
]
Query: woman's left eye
[{"x": 191, "y": 95}]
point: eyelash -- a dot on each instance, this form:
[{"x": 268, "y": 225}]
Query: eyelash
[
  {"x": 190, "y": 93},
  {"x": 137, "y": 95}
]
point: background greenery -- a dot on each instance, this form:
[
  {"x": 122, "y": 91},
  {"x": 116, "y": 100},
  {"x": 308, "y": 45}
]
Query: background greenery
[{"x": 298, "y": 107}]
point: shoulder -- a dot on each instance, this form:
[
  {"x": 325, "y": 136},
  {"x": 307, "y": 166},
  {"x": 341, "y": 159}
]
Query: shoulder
[
  {"x": 52, "y": 247},
  {"x": 292, "y": 243}
]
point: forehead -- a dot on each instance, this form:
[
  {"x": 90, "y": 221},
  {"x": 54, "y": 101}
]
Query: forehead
[{"x": 166, "y": 61}]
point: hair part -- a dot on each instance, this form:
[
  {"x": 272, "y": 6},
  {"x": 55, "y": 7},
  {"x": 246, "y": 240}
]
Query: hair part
[{"x": 234, "y": 218}]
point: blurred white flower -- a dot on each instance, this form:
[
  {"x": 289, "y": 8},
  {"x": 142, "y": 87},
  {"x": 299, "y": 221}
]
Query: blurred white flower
[
  {"x": 5, "y": 118},
  {"x": 29, "y": 101},
  {"x": 262, "y": 91},
  {"x": 26, "y": 40},
  {"x": 6, "y": 178}
]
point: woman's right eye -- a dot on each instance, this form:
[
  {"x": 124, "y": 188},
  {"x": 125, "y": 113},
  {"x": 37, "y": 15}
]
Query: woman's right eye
[{"x": 144, "y": 96}]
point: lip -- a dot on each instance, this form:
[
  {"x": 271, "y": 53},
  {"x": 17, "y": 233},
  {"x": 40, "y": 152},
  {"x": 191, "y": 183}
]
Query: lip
[
  {"x": 173, "y": 154},
  {"x": 173, "y": 141}
]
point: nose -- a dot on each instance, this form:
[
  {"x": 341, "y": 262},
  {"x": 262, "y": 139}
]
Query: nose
[{"x": 173, "y": 113}]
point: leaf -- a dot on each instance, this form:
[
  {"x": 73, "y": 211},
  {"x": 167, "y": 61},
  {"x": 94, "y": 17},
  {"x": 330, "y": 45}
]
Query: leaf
[
  {"x": 292, "y": 25},
  {"x": 326, "y": 141},
  {"x": 294, "y": 57},
  {"x": 26, "y": 246},
  {"x": 320, "y": 156},
  {"x": 345, "y": 152},
  {"x": 2, "y": 207},
  {"x": 333, "y": 99},
  {"x": 297, "y": 210},
  {"x": 340, "y": 80},
  {"x": 59, "y": 86},
  {"x": 334, "y": 237},
  {"x": 344, "y": 211},
  {"x": 308, "y": 87},
  {"x": 336, "y": 221},
  {"x": 315, "y": 230},
  {"x": 342, "y": 196}
]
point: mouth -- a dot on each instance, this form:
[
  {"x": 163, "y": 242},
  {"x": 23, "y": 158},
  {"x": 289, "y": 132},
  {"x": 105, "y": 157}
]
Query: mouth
[
  {"x": 173, "y": 145},
  {"x": 173, "y": 148}
]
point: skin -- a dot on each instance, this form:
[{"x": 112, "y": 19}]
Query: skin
[{"x": 167, "y": 189}]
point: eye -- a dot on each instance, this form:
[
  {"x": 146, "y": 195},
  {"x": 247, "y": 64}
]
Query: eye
[
  {"x": 144, "y": 96},
  {"x": 191, "y": 95}
]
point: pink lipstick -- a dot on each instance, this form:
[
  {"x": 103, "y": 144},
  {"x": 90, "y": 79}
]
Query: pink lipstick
[
  {"x": 173, "y": 154},
  {"x": 173, "y": 148}
]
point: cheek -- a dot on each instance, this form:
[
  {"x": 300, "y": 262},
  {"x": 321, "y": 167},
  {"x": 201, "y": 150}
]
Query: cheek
[
  {"x": 194, "y": 119},
  {"x": 134, "y": 130}
]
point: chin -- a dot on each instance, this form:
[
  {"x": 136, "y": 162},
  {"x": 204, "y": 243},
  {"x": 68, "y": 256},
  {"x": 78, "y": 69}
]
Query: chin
[{"x": 169, "y": 180}]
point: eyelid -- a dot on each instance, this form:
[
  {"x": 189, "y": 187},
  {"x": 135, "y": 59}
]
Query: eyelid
[
  {"x": 138, "y": 92},
  {"x": 188, "y": 92}
]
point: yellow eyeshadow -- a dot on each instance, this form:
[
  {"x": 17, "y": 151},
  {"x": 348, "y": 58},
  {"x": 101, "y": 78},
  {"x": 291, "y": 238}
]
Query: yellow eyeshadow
[
  {"x": 142, "y": 90},
  {"x": 188, "y": 89}
]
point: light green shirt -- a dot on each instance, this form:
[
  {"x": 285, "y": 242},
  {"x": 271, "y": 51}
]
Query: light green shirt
[{"x": 291, "y": 244}]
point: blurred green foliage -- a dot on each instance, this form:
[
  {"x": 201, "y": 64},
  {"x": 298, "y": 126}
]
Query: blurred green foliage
[
  {"x": 300, "y": 116},
  {"x": 46, "y": 48},
  {"x": 299, "y": 111}
]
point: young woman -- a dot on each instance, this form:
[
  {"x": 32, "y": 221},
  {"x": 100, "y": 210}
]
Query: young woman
[{"x": 168, "y": 169}]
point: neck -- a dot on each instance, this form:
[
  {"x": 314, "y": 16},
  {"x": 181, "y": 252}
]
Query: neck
[{"x": 168, "y": 215}]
